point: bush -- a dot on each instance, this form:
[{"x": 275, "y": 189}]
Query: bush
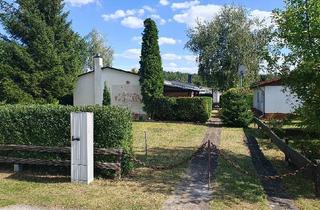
[
  {"x": 164, "y": 108},
  {"x": 236, "y": 110},
  {"x": 197, "y": 109},
  {"x": 49, "y": 125}
]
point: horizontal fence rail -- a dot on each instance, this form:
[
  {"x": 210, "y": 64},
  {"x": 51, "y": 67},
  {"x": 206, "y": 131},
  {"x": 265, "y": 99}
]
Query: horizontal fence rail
[
  {"x": 293, "y": 157},
  {"x": 59, "y": 150}
]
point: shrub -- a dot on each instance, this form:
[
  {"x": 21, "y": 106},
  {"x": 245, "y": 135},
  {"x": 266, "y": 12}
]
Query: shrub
[
  {"x": 197, "y": 109},
  {"x": 235, "y": 108},
  {"x": 49, "y": 125},
  {"x": 164, "y": 108},
  {"x": 106, "y": 96}
]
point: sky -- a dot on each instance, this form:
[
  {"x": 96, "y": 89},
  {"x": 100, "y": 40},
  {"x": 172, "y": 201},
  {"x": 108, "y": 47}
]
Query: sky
[{"x": 121, "y": 23}]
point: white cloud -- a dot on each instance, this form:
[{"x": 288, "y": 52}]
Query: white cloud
[
  {"x": 159, "y": 19},
  {"x": 137, "y": 39},
  {"x": 184, "y": 69},
  {"x": 198, "y": 12},
  {"x": 122, "y": 14},
  {"x": 132, "y": 22},
  {"x": 172, "y": 64},
  {"x": 133, "y": 54},
  {"x": 265, "y": 17},
  {"x": 185, "y": 5},
  {"x": 149, "y": 9},
  {"x": 164, "y": 2},
  {"x": 167, "y": 41},
  {"x": 171, "y": 57},
  {"x": 79, "y": 3},
  {"x": 190, "y": 58}
]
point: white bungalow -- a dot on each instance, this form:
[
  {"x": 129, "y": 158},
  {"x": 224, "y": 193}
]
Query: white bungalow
[
  {"x": 272, "y": 100},
  {"x": 123, "y": 85}
]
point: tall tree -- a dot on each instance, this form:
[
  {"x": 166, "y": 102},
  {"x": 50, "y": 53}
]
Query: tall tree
[
  {"x": 231, "y": 39},
  {"x": 151, "y": 72},
  {"x": 299, "y": 29},
  {"x": 41, "y": 56},
  {"x": 97, "y": 44}
]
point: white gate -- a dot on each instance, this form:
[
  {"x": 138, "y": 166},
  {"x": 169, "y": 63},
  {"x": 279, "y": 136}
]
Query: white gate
[{"x": 82, "y": 163}]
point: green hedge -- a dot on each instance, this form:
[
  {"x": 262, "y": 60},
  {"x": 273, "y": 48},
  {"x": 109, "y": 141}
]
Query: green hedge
[
  {"x": 49, "y": 125},
  {"x": 197, "y": 109},
  {"x": 236, "y": 109}
]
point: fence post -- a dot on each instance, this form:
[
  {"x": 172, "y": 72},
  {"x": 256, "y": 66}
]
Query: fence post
[
  {"x": 209, "y": 163},
  {"x": 287, "y": 159},
  {"x": 146, "y": 145},
  {"x": 317, "y": 178}
]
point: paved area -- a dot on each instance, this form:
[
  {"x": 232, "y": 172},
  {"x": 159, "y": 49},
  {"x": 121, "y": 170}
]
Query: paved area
[
  {"x": 277, "y": 196},
  {"x": 193, "y": 192}
]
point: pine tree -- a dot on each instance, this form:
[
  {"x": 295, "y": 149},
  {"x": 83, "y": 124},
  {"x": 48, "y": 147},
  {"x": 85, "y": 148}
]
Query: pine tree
[
  {"x": 151, "y": 72},
  {"x": 43, "y": 56},
  {"x": 106, "y": 96}
]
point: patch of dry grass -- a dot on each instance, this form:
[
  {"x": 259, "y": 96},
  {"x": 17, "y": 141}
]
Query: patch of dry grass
[
  {"x": 143, "y": 189},
  {"x": 234, "y": 190}
]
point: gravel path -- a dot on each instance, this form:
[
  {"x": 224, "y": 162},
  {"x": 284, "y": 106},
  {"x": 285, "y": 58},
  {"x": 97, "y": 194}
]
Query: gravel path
[
  {"x": 193, "y": 192},
  {"x": 277, "y": 196}
]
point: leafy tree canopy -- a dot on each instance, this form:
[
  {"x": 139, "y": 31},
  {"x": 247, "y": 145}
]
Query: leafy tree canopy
[
  {"x": 231, "y": 39},
  {"x": 300, "y": 32},
  {"x": 96, "y": 44},
  {"x": 40, "y": 56}
]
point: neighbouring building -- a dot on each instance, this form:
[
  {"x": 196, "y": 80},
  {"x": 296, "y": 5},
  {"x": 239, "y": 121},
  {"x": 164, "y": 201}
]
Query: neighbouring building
[
  {"x": 124, "y": 88},
  {"x": 272, "y": 100},
  {"x": 180, "y": 89}
]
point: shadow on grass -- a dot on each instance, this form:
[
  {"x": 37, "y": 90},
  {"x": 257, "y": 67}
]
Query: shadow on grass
[
  {"x": 297, "y": 186},
  {"x": 234, "y": 185},
  {"x": 159, "y": 181}
]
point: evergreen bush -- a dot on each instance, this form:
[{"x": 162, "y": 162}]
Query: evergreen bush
[
  {"x": 197, "y": 109},
  {"x": 236, "y": 110},
  {"x": 49, "y": 125}
]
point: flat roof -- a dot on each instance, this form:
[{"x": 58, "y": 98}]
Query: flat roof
[{"x": 271, "y": 82}]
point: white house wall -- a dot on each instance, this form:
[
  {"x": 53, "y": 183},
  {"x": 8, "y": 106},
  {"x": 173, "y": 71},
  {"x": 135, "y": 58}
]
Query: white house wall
[
  {"x": 84, "y": 90},
  {"x": 124, "y": 89},
  {"x": 259, "y": 99},
  {"x": 278, "y": 100}
]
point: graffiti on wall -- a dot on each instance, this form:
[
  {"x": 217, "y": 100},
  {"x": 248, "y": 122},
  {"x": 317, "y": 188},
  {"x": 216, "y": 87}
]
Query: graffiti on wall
[{"x": 126, "y": 95}]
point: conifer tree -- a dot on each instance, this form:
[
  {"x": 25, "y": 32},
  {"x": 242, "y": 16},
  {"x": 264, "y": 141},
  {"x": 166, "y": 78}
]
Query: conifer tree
[
  {"x": 151, "y": 72},
  {"x": 43, "y": 56},
  {"x": 106, "y": 96}
]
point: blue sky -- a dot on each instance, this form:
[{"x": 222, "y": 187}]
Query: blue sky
[{"x": 120, "y": 21}]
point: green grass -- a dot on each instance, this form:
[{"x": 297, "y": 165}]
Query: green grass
[
  {"x": 142, "y": 189},
  {"x": 232, "y": 189},
  {"x": 300, "y": 189}
]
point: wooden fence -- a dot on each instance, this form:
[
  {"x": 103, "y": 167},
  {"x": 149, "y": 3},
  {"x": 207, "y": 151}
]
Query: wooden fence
[
  {"x": 293, "y": 157},
  {"x": 59, "y": 150}
]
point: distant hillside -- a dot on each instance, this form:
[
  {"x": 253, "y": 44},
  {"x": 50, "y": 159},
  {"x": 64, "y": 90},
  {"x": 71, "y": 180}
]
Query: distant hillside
[{"x": 183, "y": 77}]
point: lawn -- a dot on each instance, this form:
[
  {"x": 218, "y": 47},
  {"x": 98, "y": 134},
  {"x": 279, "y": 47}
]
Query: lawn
[
  {"x": 144, "y": 188},
  {"x": 301, "y": 189},
  {"x": 233, "y": 190}
]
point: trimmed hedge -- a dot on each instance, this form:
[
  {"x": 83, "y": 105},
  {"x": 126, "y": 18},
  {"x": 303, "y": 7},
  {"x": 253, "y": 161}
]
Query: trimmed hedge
[
  {"x": 197, "y": 109},
  {"x": 236, "y": 109},
  {"x": 49, "y": 125}
]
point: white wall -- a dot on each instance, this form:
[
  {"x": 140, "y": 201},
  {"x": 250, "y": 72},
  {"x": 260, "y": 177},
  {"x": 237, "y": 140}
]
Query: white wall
[
  {"x": 279, "y": 100},
  {"x": 83, "y": 93},
  {"x": 124, "y": 89},
  {"x": 259, "y": 99}
]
